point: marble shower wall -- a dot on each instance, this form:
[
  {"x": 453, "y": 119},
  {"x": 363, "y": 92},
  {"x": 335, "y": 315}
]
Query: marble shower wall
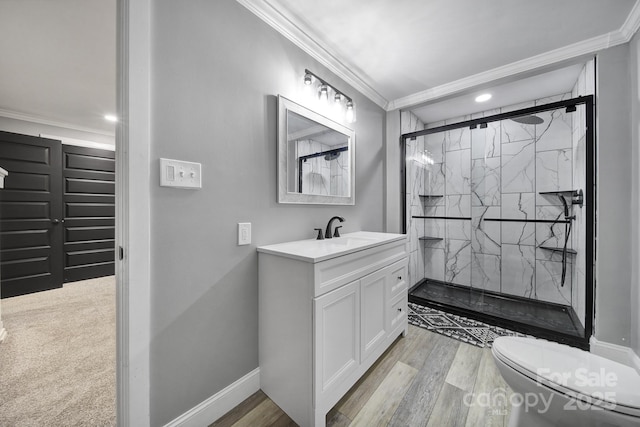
[
  {"x": 497, "y": 172},
  {"x": 320, "y": 176}
]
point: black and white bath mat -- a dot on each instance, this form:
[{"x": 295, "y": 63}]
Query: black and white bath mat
[{"x": 461, "y": 328}]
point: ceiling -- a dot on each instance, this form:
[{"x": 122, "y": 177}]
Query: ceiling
[
  {"x": 405, "y": 52},
  {"x": 58, "y": 62},
  {"x": 58, "y": 57}
]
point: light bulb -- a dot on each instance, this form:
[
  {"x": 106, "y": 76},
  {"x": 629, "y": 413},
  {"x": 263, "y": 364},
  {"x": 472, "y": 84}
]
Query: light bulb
[
  {"x": 350, "y": 112},
  {"x": 110, "y": 118},
  {"x": 337, "y": 98},
  {"x": 307, "y": 79},
  {"x": 324, "y": 92}
]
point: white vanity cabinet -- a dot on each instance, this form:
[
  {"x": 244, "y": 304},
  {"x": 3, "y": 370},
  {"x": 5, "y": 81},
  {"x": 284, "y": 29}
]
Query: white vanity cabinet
[{"x": 327, "y": 312}]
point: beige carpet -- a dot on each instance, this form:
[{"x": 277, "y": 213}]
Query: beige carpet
[{"x": 57, "y": 365}]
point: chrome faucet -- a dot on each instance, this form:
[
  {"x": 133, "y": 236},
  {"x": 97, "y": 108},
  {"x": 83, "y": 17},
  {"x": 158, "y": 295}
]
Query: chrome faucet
[{"x": 327, "y": 233}]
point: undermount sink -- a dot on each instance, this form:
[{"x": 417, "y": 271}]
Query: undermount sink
[{"x": 313, "y": 250}]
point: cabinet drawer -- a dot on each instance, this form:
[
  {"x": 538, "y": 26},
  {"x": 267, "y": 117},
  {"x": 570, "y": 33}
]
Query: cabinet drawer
[
  {"x": 336, "y": 272},
  {"x": 398, "y": 312},
  {"x": 397, "y": 278}
]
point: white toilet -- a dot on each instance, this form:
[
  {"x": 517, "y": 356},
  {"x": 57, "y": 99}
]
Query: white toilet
[{"x": 557, "y": 385}]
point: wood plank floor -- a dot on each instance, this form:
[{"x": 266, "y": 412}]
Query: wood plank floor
[{"x": 424, "y": 379}]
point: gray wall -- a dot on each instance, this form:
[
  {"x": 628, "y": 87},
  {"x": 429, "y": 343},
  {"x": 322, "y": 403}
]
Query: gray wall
[
  {"x": 614, "y": 190},
  {"x": 634, "y": 67},
  {"x": 216, "y": 72}
]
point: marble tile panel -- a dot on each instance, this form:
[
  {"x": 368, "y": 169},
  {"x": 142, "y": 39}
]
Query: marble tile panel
[
  {"x": 435, "y": 124},
  {"x": 518, "y": 270},
  {"x": 416, "y": 230},
  {"x": 486, "y": 272},
  {"x": 485, "y": 182},
  {"x": 416, "y": 267},
  {"x": 550, "y": 234},
  {"x": 458, "y": 172},
  {"x": 519, "y": 106},
  {"x": 512, "y": 131},
  {"x": 434, "y": 144},
  {"x": 458, "y": 205},
  {"x": 485, "y": 235},
  {"x": 434, "y": 263},
  {"x": 435, "y": 228},
  {"x": 553, "y": 170},
  {"x": 518, "y": 205},
  {"x": 548, "y": 283},
  {"x": 554, "y": 256},
  {"x": 458, "y": 262},
  {"x": 518, "y": 233},
  {"x": 555, "y": 132},
  {"x": 409, "y": 122},
  {"x": 486, "y": 142},
  {"x": 458, "y": 139},
  {"x": 458, "y": 229},
  {"x": 518, "y": 167},
  {"x": 435, "y": 179}
]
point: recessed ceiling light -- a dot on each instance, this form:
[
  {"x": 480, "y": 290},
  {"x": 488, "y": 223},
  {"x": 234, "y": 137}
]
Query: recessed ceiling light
[
  {"x": 110, "y": 118},
  {"x": 484, "y": 97}
]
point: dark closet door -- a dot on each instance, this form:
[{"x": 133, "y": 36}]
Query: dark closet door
[
  {"x": 30, "y": 215},
  {"x": 89, "y": 206}
]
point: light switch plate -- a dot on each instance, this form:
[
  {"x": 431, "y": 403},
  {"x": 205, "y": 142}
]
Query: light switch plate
[
  {"x": 180, "y": 174},
  {"x": 244, "y": 233}
]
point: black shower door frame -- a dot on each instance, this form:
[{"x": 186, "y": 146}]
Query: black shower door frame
[{"x": 590, "y": 193}]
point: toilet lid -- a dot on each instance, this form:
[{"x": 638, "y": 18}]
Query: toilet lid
[{"x": 573, "y": 372}]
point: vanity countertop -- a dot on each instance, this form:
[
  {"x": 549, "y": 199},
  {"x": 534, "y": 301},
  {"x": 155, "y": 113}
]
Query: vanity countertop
[{"x": 312, "y": 250}]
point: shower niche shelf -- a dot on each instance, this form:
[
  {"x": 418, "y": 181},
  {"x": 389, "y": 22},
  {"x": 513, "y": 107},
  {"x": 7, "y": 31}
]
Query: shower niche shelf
[
  {"x": 550, "y": 248},
  {"x": 430, "y": 239},
  {"x": 462, "y": 218},
  {"x": 573, "y": 193},
  {"x": 431, "y": 196},
  {"x": 577, "y": 196}
]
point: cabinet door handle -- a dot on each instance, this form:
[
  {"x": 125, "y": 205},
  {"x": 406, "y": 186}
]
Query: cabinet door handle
[
  {"x": 400, "y": 310},
  {"x": 399, "y": 277}
]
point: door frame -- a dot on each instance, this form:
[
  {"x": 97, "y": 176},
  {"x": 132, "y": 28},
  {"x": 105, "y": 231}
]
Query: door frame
[{"x": 133, "y": 186}]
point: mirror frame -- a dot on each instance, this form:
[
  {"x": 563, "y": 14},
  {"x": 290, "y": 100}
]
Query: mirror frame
[{"x": 285, "y": 105}]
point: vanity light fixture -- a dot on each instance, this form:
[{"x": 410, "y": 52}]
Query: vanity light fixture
[
  {"x": 308, "y": 79},
  {"x": 483, "y": 98},
  {"x": 338, "y": 96}
]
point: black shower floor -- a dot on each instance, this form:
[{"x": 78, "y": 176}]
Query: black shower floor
[{"x": 528, "y": 316}]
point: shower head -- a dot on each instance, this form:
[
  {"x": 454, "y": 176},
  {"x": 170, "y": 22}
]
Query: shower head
[
  {"x": 332, "y": 155},
  {"x": 528, "y": 120}
]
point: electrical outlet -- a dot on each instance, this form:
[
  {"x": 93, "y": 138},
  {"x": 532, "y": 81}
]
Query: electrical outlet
[
  {"x": 180, "y": 174},
  {"x": 244, "y": 233}
]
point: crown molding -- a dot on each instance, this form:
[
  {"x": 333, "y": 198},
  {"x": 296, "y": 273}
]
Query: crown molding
[
  {"x": 585, "y": 47},
  {"x": 44, "y": 121},
  {"x": 632, "y": 23},
  {"x": 285, "y": 25}
]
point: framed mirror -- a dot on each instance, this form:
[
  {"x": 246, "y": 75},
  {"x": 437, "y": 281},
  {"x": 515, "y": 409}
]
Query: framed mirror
[{"x": 316, "y": 157}]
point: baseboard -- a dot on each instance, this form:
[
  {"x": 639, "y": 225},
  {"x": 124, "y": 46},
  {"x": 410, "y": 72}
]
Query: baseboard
[
  {"x": 220, "y": 403},
  {"x": 615, "y": 352}
]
